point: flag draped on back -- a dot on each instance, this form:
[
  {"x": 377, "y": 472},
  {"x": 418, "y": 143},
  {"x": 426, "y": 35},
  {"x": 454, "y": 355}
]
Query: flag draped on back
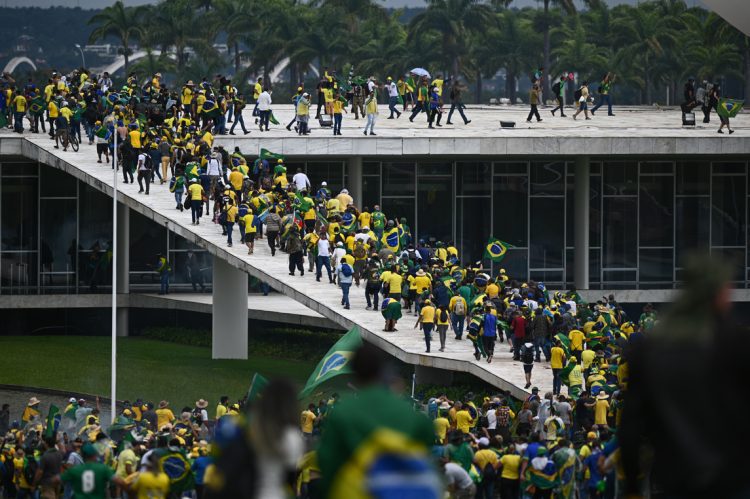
[
  {"x": 728, "y": 108},
  {"x": 37, "y": 106},
  {"x": 335, "y": 362},
  {"x": 53, "y": 421},
  {"x": 303, "y": 204},
  {"x": 176, "y": 465},
  {"x": 496, "y": 249},
  {"x": 390, "y": 240}
]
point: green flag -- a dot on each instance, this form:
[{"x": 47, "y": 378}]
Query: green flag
[
  {"x": 564, "y": 343},
  {"x": 304, "y": 205},
  {"x": 335, "y": 362},
  {"x": 257, "y": 385},
  {"x": 496, "y": 249},
  {"x": 728, "y": 108},
  {"x": 53, "y": 421},
  {"x": 266, "y": 154}
]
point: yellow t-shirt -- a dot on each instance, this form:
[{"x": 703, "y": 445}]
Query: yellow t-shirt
[
  {"x": 484, "y": 457},
  {"x": 511, "y": 466},
  {"x": 338, "y": 107},
  {"x": 66, "y": 113},
  {"x": 576, "y": 339},
  {"x": 421, "y": 283},
  {"x": 600, "y": 412},
  {"x": 196, "y": 192},
  {"x": 19, "y": 103},
  {"x": 306, "y": 421},
  {"x": 163, "y": 417},
  {"x": 221, "y": 410},
  {"x": 587, "y": 356},
  {"x": 231, "y": 213},
  {"x": 135, "y": 138},
  {"x": 53, "y": 110},
  {"x": 187, "y": 96},
  {"x": 427, "y": 314},
  {"x": 150, "y": 485},
  {"x": 236, "y": 178},
  {"x": 364, "y": 219},
  {"x": 48, "y": 92},
  {"x": 575, "y": 378},
  {"x": 249, "y": 220},
  {"x": 394, "y": 283},
  {"x": 441, "y": 428},
  {"x": 257, "y": 90},
  {"x": 18, "y": 477},
  {"x": 463, "y": 420},
  {"x": 556, "y": 360},
  {"x": 126, "y": 457}
]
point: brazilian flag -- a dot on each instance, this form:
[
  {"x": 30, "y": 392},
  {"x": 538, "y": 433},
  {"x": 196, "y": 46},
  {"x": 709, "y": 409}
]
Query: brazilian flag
[
  {"x": 348, "y": 222},
  {"x": 303, "y": 204},
  {"x": 496, "y": 249},
  {"x": 265, "y": 155},
  {"x": 37, "y": 106},
  {"x": 53, "y": 421},
  {"x": 334, "y": 363},
  {"x": 728, "y": 108},
  {"x": 273, "y": 119},
  {"x": 390, "y": 239},
  {"x": 177, "y": 467},
  {"x": 257, "y": 385},
  {"x": 564, "y": 343}
]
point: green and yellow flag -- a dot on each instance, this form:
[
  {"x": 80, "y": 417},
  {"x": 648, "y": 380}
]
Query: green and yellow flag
[
  {"x": 266, "y": 155},
  {"x": 177, "y": 467},
  {"x": 53, "y": 421},
  {"x": 257, "y": 385},
  {"x": 335, "y": 362},
  {"x": 496, "y": 249},
  {"x": 728, "y": 108}
]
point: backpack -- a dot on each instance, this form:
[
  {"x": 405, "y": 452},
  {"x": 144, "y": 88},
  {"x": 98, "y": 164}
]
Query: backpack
[
  {"x": 346, "y": 269},
  {"x": 359, "y": 252},
  {"x": 460, "y": 307},
  {"x": 29, "y": 469},
  {"x": 172, "y": 184},
  {"x": 412, "y": 254},
  {"x": 556, "y": 88},
  {"x": 503, "y": 417},
  {"x": 149, "y": 162},
  {"x": 577, "y": 95},
  {"x": 527, "y": 355}
]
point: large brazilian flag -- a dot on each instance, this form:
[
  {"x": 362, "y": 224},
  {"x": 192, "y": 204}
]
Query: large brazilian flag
[
  {"x": 335, "y": 363},
  {"x": 391, "y": 240},
  {"x": 496, "y": 249},
  {"x": 728, "y": 108}
]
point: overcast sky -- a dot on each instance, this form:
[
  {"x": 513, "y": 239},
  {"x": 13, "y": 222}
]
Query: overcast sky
[{"x": 96, "y": 4}]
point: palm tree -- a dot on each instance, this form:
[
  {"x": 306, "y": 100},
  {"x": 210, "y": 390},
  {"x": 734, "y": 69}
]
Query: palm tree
[
  {"x": 120, "y": 22},
  {"x": 453, "y": 19},
  {"x": 229, "y": 16},
  {"x": 178, "y": 25},
  {"x": 577, "y": 54}
]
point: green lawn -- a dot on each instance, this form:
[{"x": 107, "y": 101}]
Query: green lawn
[{"x": 152, "y": 370}]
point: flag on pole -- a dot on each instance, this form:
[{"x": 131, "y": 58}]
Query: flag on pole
[
  {"x": 335, "y": 363},
  {"x": 53, "y": 421},
  {"x": 496, "y": 249},
  {"x": 258, "y": 383},
  {"x": 728, "y": 108}
]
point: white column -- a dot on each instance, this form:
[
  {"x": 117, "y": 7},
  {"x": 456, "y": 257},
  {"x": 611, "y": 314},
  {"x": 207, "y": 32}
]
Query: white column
[
  {"x": 581, "y": 221},
  {"x": 354, "y": 181},
  {"x": 123, "y": 265},
  {"x": 229, "y": 317}
]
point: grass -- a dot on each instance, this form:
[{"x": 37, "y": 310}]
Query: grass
[{"x": 152, "y": 370}]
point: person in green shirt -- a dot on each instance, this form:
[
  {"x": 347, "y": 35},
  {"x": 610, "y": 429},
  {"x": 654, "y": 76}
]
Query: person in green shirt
[
  {"x": 604, "y": 94},
  {"x": 89, "y": 480},
  {"x": 378, "y": 222}
]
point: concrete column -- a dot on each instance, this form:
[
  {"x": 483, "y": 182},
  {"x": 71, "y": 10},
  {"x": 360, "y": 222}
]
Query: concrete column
[
  {"x": 229, "y": 317},
  {"x": 354, "y": 182},
  {"x": 581, "y": 221},
  {"x": 433, "y": 376},
  {"x": 123, "y": 265}
]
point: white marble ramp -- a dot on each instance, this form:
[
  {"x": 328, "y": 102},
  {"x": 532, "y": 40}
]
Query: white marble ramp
[{"x": 407, "y": 344}]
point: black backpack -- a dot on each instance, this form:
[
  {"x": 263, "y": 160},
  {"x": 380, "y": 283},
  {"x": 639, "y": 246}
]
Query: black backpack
[
  {"x": 527, "y": 354},
  {"x": 29, "y": 470},
  {"x": 556, "y": 88},
  {"x": 578, "y": 94}
]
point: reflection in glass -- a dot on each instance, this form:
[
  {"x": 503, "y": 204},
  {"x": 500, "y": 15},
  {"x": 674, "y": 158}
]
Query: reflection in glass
[
  {"x": 656, "y": 265},
  {"x": 693, "y": 177},
  {"x": 728, "y": 200},
  {"x": 398, "y": 179},
  {"x": 472, "y": 178},
  {"x": 399, "y": 207},
  {"x": 331, "y": 172},
  {"x": 692, "y": 224},
  {"x": 56, "y": 183},
  {"x": 620, "y": 232},
  {"x": 147, "y": 238},
  {"x": 57, "y": 240},
  {"x": 18, "y": 272},
  {"x": 435, "y": 208},
  {"x": 547, "y": 232},
  {"x": 473, "y": 227},
  {"x": 510, "y": 210},
  {"x": 656, "y": 211},
  {"x": 620, "y": 177},
  {"x": 547, "y": 178},
  {"x": 19, "y": 214}
]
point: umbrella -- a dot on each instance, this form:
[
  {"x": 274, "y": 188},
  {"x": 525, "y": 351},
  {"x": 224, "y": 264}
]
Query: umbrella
[{"x": 420, "y": 72}]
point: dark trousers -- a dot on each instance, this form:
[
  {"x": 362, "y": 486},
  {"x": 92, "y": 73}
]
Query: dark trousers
[
  {"x": 345, "y": 293},
  {"x": 296, "y": 262},
  {"x": 264, "y": 117},
  {"x": 238, "y": 119},
  {"x": 196, "y": 205},
  {"x": 392, "y": 102},
  {"x": 517, "y": 342},
  {"x": 432, "y": 114},
  {"x": 559, "y": 106},
  {"x": 604, "y": 98},
  {"x": 337, "y": 118},
  {"x": 457, "y": 106},
  {"x": 229, "y": 227},
  {"x": 18, "y": 122},
  {"x": 458, "y": 325},
  {"x": 509, "y": 488},
  {"x": 417, "y": 109},
  {"x": 534, "y": 112},
  {"x": 372, "y": 291},
  {"x": 272, "y": 235},
  {"x": 323, "y": 261},
  {"x": 489, "y": 344},
  {"x": 321, "y": 104},
  {"x": 556, "y": 381},
  {"x": 143, "y": 175},
  {"x": 427, "y": 329},
  {"x": 164, "y": 288}
]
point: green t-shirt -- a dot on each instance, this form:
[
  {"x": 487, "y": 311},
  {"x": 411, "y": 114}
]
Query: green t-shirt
[
  {"x": 89, "y": 480},
  {"x": 378, "y": 220}
]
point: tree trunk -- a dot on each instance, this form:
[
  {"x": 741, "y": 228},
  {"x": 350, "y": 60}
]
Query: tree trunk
[
  {"x": 510, "y": 83},
  {"x": 478, "y": 97},
  {"x": 545, "y": 74},
  {"x": 455, "y": 68},
  {"x": 293, "y": 77},
  {"x": 648, "y": 88}
]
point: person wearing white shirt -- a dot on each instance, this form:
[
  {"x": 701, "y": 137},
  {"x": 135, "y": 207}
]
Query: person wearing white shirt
[
  {"x": 393, "y": 98},
  {"x": 338, "y": 253},
  {"x": 324, "y": 258},
  {"x": 459, "y": 482},
  {"x": 301, "y": 181},
  {"x": 213, "y": 170},
  {"x": 264, "y": 108}
]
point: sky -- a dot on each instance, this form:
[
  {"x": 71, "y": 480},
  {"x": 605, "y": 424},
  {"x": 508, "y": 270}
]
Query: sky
[{"x": 97, "y": 4}]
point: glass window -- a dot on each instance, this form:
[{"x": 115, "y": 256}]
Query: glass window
[
  {"x": 510, "y": 210},
  {"x": 95, "y": 217},
  {"x": 473, "y": 178},
  {"x": 177, "y": 242},
  {"x": 515, "y": 263},
  {"x": 656, "y": 210},
  {"x": 727, "y": 167},
  {"x": 693, "y": 177},
  {"x": 370, "y": 191},
  {"x": 18, "y": 272},
  {"x": 728, "y": 199},
  {"x": 435, "y": 208},
  {"x": 619, "y": 276},
  {"x": 94, "y": 268},
  {"x": 331, "y": 172},
  {"x": 435, "y": 168},
  {"x": 548, "y": 277},
  {"x": 398, "y": 179},
  {"x": 547, "y": 233},
  {"x": 596, "y": 168},
  {"x": 147, "y": 238},
  {"x": 181, "y": 272},
  {"x": 548, "y": 178},
  {"x": 656, "y": 265},
  {"x": 57, "y": 237},
  {"x": 19, "y": 213},
  {"x": 595, "y": 266},
  {"x": 692, "y": 224},
  {"x": 399, "y": 207},
  {"x": 665, "y": 167},
  {"x": 511, "y": 168},
  {"x": 56, "y": 183},
  {"x": 20, "y": 169},
  {"x": 620, "y": 177},
  {"x": 595, "y": 210},
  {"x": 620, "y": 236},
  {"x": 371, "y": 167},
  {"x": 473, "y": 227},
  {"x": 735, "y": 257}
]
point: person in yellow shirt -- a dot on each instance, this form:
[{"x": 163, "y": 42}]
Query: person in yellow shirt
[
  {"x": 236, "y": 178},
  {"x": 557, "y": 362},
  {"x": 482, "y": 458},
  {"x": 577, "y": 338},
  {"x": 151, "y": 483},
  {"x": 601, "y": 408},
  {"x": 365, "y": 218},
  {"x": 164, "y": 415},
  {"x": 463, "y": 420},
  {"x": 307, "y": 421},
  {"x": 427, "y": 321},
  {"x": 510, "y": 474},
  {"x": 31, "y": 411},
  {"x": 394, "y": 281},
  {"x": 458, "y": 307},
  {"x": 19, "y": 105},
  {"x": 231, "y": 216},
  {"x": 186, "y": 98},
  {"x": 248, "y": 229},
  {"x": 19, "y": 480},
  {"x": 338, "y": 109},
  {"x": 195, "y": 194},
  {"x": 587, "y": 357},
  {"x": 441, "y": 426}
]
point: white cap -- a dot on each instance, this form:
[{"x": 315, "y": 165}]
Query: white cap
[
  {"x": 344, "y": 191},
  {"x": 324, "y": 183},
  {"x": 484, "y": 441},
  {"x": 72, "y": 400}
]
